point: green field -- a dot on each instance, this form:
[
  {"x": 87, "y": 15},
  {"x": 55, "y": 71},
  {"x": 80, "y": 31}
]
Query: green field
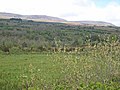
[
  {"x": 57, "y": 56},
  {"x": 96, "y": 68}
]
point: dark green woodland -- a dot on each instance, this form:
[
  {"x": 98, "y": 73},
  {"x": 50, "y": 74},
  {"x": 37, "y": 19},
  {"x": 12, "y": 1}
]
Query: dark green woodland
[{"x": 27, "y": 35}]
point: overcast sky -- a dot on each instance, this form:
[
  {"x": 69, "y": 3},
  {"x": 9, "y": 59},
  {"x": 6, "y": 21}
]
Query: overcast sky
[{"x": 72, "y": 10}]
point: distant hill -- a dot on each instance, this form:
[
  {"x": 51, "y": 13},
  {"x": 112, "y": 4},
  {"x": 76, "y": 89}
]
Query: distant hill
[
  {"x": 91, "y": 23},
  {"x": 94, "y": 23},
  {"x": 46, "y": 18},
  {"x": 31, "y": 17}
]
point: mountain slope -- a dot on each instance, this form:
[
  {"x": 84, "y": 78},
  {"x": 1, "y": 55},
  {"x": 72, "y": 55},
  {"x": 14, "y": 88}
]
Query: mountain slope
[
  {"x": 46, "y": 18},
  {"x": 31, "y": 17},
  {"x": 92, "y": 23}
]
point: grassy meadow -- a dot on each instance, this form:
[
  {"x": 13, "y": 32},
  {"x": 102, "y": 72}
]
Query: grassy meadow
[{"x": 94, "y": 68}]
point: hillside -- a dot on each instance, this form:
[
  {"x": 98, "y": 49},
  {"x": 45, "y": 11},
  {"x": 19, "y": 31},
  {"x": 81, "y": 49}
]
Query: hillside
[
  {"x": 46, "y": 18},
  {"x": 93, "y": 23},
  {"x": 32, "y": 17}
]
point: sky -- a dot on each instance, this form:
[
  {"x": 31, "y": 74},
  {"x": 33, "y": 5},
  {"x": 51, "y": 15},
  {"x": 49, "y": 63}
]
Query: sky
[{"x": 72, "y": 10}]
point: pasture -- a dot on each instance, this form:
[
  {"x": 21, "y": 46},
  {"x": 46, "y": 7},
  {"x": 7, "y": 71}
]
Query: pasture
[{"x": 90, "y": 69}]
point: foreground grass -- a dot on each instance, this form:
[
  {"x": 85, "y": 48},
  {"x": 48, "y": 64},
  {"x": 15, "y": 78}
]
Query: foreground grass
[{"x": 91, "y": 69}]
